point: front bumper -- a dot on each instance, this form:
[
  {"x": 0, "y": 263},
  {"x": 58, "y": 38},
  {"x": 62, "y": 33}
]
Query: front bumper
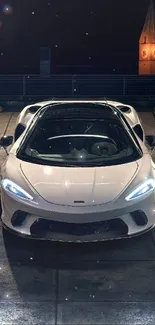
[{"x": 77, "y": 224}]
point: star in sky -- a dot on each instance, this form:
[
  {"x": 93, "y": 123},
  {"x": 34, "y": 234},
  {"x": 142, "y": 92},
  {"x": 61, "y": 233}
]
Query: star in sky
[{"x": 7, "y": 9}]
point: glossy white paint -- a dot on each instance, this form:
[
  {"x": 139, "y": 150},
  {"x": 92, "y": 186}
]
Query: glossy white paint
[
  {"x": 56, "y": 190},
  {"x": 64, "y": 186}
]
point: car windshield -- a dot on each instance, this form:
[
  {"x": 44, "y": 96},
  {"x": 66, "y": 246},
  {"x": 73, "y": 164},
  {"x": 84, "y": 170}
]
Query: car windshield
[{"x": 79, "y": 143}]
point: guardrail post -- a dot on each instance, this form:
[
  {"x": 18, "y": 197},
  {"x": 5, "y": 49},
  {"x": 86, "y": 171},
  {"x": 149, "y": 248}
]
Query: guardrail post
[
  {"x": 73, "y": 85},
  {"x": 124, "y": 86},
  {"x": 24, "y": 86}
]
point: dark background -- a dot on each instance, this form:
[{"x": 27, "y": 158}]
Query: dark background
[{"x": 111, "y": 46}]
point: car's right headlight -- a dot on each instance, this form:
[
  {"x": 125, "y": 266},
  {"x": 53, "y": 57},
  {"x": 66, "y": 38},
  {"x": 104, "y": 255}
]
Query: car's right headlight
[{"x": 15, "y": 189}]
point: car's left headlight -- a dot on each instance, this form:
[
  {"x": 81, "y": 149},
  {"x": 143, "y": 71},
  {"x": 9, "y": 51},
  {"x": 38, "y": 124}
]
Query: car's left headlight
[
  {"x": 146, "y": 187},
  {"x": 15, "y": 189}
]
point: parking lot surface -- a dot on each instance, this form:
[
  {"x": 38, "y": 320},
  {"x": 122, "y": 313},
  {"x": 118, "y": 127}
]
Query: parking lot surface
[{"x": 76, "y": 284}]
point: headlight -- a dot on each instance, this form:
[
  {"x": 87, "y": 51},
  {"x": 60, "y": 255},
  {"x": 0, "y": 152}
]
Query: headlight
[
  {"x": 15, "y": 189},
  {"x": 144, "y": 188}
]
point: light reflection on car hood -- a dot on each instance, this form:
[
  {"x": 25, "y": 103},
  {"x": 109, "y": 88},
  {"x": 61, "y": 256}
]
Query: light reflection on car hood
[{"x": 79, "y": 186}]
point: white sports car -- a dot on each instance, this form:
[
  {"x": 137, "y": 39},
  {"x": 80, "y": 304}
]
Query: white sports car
[{"x": 78, "y": 171}]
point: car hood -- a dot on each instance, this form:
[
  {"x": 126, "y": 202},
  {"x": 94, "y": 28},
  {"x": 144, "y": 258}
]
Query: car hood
[{"x": 79, "y": 186}]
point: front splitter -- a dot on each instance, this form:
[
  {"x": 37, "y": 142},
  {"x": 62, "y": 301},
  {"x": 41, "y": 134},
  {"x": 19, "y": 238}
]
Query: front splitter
[{"x": 15, "y": 232}]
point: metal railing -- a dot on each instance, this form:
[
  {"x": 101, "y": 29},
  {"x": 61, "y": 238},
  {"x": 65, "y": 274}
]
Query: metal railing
[{"x": 30, "y": 87}]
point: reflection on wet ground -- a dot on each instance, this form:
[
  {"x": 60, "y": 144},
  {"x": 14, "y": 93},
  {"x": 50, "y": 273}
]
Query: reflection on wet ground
[{"x": 50, "y": 283}]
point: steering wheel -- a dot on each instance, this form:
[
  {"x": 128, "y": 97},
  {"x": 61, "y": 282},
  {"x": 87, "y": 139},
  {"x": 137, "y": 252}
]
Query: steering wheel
[{"x": 104, "y": 148}]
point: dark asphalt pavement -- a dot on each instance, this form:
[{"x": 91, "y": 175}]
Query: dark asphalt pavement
[{"x": 68, "y": 284}]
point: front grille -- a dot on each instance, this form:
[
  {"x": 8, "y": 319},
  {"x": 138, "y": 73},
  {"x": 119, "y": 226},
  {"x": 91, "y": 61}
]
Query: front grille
[{"x": 110, "y": 229}]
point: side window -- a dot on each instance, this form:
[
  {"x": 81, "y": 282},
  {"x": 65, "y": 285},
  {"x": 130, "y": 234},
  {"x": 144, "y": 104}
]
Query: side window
[
  {"x": 19, "y": 130},
  {"x": 139, "y": 131},
  {"x": 131, "y": 131}
]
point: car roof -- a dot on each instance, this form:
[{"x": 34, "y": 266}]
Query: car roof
[
  {"x": 78, "y": 109},
  {"x": 77, "y": 100}
]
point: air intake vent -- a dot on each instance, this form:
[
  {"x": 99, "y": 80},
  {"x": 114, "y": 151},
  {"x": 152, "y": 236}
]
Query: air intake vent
[
  {"x": 124, "y": 109},
  {"x": 139, "y": 217},
  {"x": 79, "y": 202},
  {"x": 34, "y": 109}
]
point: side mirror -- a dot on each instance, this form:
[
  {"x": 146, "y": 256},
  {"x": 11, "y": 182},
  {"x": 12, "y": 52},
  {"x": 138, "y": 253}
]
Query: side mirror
[
  {"x": 6, "y": 141},
  {"x": 150, "y": 139}
]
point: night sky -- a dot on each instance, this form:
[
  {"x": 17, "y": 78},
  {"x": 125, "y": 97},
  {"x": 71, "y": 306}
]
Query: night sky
[{"x": 101, "y": 35}]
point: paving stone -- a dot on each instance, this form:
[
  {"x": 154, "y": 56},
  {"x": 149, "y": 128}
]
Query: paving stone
[
  {"x": 73, "y": 313},
  {"x": 109, "y": 281}
]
